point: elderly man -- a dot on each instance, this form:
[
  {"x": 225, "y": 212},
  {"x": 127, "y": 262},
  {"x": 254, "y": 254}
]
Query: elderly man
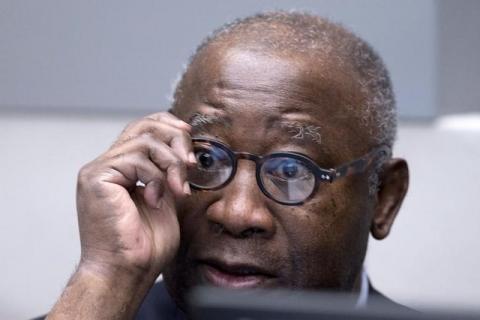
[{"x": 270, "y": 170}]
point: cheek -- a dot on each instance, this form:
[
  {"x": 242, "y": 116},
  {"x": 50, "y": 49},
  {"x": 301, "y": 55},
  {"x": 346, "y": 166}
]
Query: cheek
[
  {"x": 191, "y": 213},
  {"x": 328, "y": 238}
]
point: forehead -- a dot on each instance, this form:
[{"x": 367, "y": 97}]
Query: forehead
[
  {"x": 276, "y": 87},
  {"x": 316, "y": 79}
]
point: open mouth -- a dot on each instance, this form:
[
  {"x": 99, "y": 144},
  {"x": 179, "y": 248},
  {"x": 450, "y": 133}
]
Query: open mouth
[{"x": 235, "y": 276}]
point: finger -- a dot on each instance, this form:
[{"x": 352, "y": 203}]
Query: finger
[
  {"x": 181, "y": 144},
  {"x": 126, "y": 169},
  {"x": 122, "y": 171},
  {"x": 166, "y": 159},
  {"x": 153, "y": 193},
  {"x": 162, "y": 156},
  {"x": 178, "y": 139},
  {"x": 142, "y": 199}
]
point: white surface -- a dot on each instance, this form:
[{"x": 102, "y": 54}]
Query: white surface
[{"x": 432, "y": 255}]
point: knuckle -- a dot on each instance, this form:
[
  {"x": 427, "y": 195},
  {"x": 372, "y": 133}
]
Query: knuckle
[
  {"x": 147, "y": 138},
  {"x": 88, "y": 182},
  {"x": 84, "y": 173},
  {"x": 125, "y": 137},
  {"x": 153, "y": 132}
]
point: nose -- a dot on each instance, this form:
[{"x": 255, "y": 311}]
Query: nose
[{"x": 241, "y": 211}]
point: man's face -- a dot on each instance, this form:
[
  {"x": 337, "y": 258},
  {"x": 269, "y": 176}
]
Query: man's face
[{"x": 236, "y": 236}]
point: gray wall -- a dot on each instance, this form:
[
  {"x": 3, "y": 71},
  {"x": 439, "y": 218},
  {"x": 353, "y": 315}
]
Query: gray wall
[
  {"x": 114, "y": 55},
  {"x": 73, "y": 73}
]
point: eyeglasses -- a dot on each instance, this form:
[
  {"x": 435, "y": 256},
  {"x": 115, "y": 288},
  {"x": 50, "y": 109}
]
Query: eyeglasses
[{"x": 289, "y": 178}]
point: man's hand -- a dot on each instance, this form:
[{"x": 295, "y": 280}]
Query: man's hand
[
  {"x": 126, "y": 226},
  {"x": 128, "y": 232}
]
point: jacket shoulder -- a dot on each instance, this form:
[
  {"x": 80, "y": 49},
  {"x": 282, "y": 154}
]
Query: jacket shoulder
[{"x": 377, "y": 299}]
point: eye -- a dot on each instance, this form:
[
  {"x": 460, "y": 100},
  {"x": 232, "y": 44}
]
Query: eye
[
  {"x": 290, "y": 170},
  {"x": 287, "y": 169},
  {"x": 205, "y": 159},
  {"x": 211, "y": 159}
]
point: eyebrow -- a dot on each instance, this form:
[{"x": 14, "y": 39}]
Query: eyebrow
[
  {"x": 201, "y": 121},
  {"x": 300, "y": 131}
]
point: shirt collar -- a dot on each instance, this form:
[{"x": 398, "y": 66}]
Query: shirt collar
[{"x": 364, "y": 291}]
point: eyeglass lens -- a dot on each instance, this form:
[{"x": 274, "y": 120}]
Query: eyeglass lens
[
  {"x": 287, "y": 179},
  {"x": 214, "y": 166}
]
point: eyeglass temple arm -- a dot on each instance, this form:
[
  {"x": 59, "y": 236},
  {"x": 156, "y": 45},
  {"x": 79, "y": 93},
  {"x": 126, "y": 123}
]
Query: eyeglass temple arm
[{"x": 360, "y": 165}]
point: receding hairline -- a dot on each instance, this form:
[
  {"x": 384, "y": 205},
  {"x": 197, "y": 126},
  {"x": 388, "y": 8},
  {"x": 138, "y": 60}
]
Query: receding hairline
[{"x": 268, "y": 38}]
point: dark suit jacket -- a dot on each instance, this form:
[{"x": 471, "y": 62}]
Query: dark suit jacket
[
  {"x": 379, "y": 297},
  {"x": 159, "y": 305}
]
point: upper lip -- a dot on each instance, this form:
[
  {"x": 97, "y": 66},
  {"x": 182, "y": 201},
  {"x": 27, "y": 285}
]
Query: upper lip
[{"x": 239, "y": 269}]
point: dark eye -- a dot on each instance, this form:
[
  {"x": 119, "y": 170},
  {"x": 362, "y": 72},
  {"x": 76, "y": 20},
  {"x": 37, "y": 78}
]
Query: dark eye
[
  {"x": 290, "y": 170},
  {"x": 205, "y": 159},
  {"x": 212, "y": 159},
  {"x": 287, "y": 169}
]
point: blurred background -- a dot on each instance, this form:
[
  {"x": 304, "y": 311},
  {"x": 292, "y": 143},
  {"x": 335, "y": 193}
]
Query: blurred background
[{"x": 74, "y": 73}]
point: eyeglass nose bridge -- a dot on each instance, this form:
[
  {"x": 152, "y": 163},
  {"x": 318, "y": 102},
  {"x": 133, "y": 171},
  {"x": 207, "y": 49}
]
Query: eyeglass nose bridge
[
  {"x": 258, "y": 160},
  {"x": 247, "y": 156}
]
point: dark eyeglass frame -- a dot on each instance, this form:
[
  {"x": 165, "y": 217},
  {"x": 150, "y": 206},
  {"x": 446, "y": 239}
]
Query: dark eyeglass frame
[{"x": 321, "y": 174}]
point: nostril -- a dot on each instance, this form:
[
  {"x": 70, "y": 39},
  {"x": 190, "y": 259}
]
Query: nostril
[
  {"x": 218, "y": 228},
  {"x": 251, "y": 232}
]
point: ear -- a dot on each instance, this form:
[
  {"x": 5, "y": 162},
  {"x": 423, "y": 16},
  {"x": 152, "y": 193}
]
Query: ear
[{"x": 392, "y": 190}]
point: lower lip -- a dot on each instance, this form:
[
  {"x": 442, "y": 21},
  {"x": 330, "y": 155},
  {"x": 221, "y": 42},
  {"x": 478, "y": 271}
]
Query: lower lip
[{"x": 222, "y": 279}]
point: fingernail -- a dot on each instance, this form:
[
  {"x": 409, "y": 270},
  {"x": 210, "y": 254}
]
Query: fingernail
[
  {"x": 191, "y": 158},
  {"x": 186, "y": 188}
]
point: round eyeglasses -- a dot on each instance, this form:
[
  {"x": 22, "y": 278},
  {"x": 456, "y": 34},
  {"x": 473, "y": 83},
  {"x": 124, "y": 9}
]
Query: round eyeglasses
[{"x": 288, "y": 178}]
